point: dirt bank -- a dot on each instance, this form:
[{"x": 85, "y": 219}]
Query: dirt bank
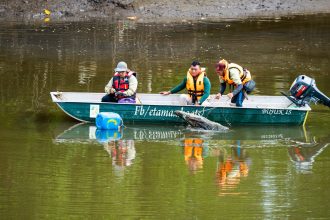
[{"x": 157, "y": 10}]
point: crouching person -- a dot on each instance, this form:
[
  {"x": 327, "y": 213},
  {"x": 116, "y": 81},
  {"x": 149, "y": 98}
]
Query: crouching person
[
  {"x": 236, "y": 76},
  {"x": 122, "y": 86}
]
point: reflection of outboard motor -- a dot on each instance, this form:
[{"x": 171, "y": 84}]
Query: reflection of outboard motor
[{"x": 303, "y": 90}]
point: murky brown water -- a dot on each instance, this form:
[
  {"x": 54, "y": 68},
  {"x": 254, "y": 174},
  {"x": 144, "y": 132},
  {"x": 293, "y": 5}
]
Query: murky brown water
[{"x": 50, "y": 167}]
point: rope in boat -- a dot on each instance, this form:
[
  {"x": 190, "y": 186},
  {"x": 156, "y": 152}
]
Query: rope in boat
[{"x": 212, "y": 108}]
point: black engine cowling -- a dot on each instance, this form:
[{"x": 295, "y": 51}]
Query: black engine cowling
[{"x": 303, "y": 90}]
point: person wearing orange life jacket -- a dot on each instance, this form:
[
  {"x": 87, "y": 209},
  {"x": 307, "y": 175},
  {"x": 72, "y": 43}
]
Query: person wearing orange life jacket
[
  {"x": 237, "y": 76},
  {"x": 197, "y": 85},
  {"x": 122, "y": 86}
]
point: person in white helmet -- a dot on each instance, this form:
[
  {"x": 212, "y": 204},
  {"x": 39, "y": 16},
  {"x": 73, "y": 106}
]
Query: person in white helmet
[{"x": 122, "y": 86}]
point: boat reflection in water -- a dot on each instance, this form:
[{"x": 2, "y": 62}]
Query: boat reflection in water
[
  {"x": 88, "y": 133},
  {"x": 119, "y": 144},
  {"x": 230, "y": 149},
  {"x": 261, "y": 136},
  {"x": 303, "y": 154}
]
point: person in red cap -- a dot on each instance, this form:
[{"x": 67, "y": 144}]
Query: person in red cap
[{"x": 235, "y": 76}]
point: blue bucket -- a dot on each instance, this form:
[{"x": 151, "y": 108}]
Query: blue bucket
[{"x": 108, "y": 121}]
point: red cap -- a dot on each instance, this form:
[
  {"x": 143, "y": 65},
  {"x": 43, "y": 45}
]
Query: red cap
[{"x": 221, "y": 66}]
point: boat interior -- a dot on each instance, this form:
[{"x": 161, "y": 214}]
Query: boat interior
[{"x": 252, "y": 101}]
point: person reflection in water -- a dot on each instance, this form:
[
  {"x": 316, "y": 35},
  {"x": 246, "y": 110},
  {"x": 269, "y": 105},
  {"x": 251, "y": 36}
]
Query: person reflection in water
[
  {"x": 122, "y": 153},
  {"x": 195, "y": 150},
  {"x": 231, "y": 167}
]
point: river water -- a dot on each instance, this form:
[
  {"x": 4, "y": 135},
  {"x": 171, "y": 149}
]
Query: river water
[{"x": 54, "y": 167}]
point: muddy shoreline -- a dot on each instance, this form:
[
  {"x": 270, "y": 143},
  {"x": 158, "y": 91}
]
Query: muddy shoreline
[{"x": 157, "y": 11}]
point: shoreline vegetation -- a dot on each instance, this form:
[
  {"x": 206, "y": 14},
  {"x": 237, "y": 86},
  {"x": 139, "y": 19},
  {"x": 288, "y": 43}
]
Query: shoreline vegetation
[{"x": 157, "y": 11}]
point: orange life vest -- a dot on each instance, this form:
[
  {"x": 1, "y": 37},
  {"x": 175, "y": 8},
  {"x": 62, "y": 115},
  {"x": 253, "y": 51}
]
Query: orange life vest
[
  {"x": 244, "y": 74},
  {"x": 193, "y": 147},
  {"x": 196, "y": 88}
]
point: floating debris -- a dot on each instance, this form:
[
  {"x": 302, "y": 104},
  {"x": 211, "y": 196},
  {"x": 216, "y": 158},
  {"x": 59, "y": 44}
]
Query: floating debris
[
  {"x": 47, "y": 12},
  {"x": 132, "y": 18}
]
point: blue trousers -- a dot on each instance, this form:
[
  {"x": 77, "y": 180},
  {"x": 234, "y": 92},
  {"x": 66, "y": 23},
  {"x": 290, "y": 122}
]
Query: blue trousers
[{"x": 238, "y": 98}]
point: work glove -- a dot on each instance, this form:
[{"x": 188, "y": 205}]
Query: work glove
[
  {"x": 120, "y": 94},
  {"x": 112, "y": 90}
]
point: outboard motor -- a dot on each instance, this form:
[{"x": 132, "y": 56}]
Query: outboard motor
[{"x": 303, "y": 90}]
